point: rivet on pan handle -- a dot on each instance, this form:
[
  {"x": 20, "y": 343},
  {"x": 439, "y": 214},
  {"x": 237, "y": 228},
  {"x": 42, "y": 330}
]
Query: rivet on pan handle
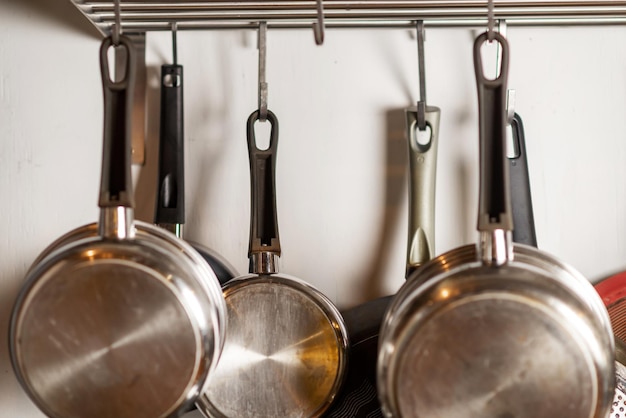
[
  {"x": 116, "y": 195},
  {"x": 422, "y": 171},
  {"x": 170, "y": 205},
  {"x": 264, "y": 247},
  {"x": 494, "y": 212}
]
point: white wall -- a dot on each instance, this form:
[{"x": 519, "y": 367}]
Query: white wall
[{"x": 341, "y": 169}]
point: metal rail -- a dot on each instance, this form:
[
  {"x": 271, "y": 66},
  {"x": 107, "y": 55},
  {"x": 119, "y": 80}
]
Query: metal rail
[
  {"x": 145, "y": 16},
  {"x": 141, "y": 16}
]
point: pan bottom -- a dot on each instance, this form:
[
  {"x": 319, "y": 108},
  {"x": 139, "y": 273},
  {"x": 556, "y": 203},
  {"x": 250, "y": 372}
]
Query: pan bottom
[
  {"x": 494, "y": 356},
  {"x": 282, "y": 356},
  {"x": 97, "y": 340}
]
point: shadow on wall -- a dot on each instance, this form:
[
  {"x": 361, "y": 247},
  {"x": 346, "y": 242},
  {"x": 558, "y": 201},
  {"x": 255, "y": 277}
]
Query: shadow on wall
[
  {"x": 56, "y": 11},
  {"x": 146, "y": 186},
  {"x": 396, "y": 169},
  {"x": 464, "y": 210}
]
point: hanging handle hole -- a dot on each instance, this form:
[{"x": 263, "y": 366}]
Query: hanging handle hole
[
  {"x": 262, "y": 134},
  {"x": 491, "y": 59},
  {"x": 171, "y": 80},
  {"x": 423, "y": 137},
  {"x": 117, "y": 58}
]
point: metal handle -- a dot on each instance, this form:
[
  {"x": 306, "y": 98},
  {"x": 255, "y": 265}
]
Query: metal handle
[
  {"x": 170, "y": 206},
  {"x": 494, "y": 213},
  {"x": 422, "y": 176},
  {"x": 116, "y": 181},
  {"x": 264, "y": 241},
  {"x": 521, "y": 199}
]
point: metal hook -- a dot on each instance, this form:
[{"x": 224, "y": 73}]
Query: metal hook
[
  {"x": 501, "y": 31},
  {"x": 421, "y": 104},
  {"x": 174, "y": 43},
  {"x": 262, "y": 60},
  {"x": 116, "y": 31},
  {"x": 490, "y": 20},
  {"x": 318, "y": 27}
]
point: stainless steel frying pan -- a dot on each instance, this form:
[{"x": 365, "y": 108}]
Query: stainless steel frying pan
[
  {"x": 494, "y": 330},
  {"x": 286, "y": 343},
  {"x": 124, "y": 323}
]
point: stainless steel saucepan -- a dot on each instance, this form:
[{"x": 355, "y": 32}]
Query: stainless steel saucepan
[
  {"x": 286, "y": 343},
  {"x": 128, "y": 322},
  {"x": 495, "y": 330}
]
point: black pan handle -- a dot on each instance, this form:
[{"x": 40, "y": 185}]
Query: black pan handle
[
  {"x": 494, "y": 204},
  {"x": 521, "y": 199},
  {"x": 170, "y": 205},
  {"x": 116, "y": 180},
  {"x": 264, "y": 240}
]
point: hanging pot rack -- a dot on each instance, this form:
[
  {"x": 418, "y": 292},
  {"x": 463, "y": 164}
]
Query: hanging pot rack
[
  {"x": 145, "y": 16},
  {"x": 138, "y": 17}
]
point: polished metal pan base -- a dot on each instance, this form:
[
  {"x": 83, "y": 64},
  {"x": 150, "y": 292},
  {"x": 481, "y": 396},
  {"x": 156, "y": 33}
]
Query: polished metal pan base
[
  {"x": 284, "y": 353},
  {"x": 80, "y": 323}
]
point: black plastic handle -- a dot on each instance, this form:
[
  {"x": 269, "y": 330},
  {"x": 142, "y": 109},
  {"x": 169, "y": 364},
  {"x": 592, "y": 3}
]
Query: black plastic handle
[
  {"x": 170, "y": 205},
  {"x": 521, "y": 199},
  {"x": 116, "y": 180},
  {"x": 263, "y": 220},
  {"x": 494, "y": 203}
]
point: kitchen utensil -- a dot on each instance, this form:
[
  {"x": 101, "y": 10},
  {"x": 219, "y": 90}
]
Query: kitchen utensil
[
  {"x": 495, "y": 329},
  {"x": 358, "y": 396},
  {"x": 127, "y": 322},
  {"x": 170, "y": 204},
  {"x": 286, "y": 344}
]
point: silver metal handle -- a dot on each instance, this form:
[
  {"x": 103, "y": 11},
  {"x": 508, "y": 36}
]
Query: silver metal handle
[{"x": 422, "y": 169}]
